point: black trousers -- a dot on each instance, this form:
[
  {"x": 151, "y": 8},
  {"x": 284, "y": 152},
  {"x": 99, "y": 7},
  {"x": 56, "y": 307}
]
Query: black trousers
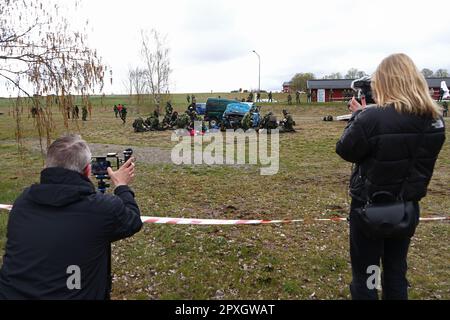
[{"x": 366, "y": 252}]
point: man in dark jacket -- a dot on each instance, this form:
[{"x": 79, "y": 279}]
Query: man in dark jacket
[{"x": 60, "y": 231}]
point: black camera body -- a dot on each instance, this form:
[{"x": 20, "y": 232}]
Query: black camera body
[
  {"x": 364, "y": 89},
  {"x": 100, "y": 165}
]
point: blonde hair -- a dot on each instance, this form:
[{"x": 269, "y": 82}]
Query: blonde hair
[{"x": 398, "y": 82}]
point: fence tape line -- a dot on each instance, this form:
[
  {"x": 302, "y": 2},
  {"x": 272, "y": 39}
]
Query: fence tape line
[{"x": 218, "y": 222}]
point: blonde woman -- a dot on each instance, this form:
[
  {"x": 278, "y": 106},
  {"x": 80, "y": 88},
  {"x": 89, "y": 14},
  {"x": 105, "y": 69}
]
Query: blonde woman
[{"x": 394, "y": 145}]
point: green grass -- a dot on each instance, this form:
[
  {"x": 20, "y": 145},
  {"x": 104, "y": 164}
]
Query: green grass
[{"x": 302, "y": 261}]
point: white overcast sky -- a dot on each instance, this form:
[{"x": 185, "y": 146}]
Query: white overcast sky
[{"x": 211, "y": 41}]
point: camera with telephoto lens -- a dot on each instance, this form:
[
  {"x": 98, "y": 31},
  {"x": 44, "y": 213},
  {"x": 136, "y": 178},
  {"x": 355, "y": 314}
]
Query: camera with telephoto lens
[
  {"x": 363, "y": 89},
  {"x": 100, "y": 165}
]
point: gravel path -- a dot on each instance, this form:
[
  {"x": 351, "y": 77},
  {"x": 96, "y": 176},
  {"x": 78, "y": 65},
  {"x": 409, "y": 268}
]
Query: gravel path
[{"x": 149, "y": 155}]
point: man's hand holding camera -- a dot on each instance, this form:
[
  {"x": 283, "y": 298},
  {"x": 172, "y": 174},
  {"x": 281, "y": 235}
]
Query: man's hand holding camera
[{"x": 124, "y": 175}]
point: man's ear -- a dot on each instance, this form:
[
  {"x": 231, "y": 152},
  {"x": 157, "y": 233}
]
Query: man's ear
[{"x": 87, "y": 170}]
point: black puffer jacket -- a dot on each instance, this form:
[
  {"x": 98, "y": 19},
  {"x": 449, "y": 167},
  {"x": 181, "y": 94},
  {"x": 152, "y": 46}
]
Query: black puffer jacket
[
  {"x": 382, "y": 142},
  {"x": 59, "y": 223}
]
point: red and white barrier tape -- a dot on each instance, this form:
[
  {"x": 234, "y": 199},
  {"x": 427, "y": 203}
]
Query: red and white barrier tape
[
  {"x": 218, "y": 222},
  {"x": 212, "y": 222}
]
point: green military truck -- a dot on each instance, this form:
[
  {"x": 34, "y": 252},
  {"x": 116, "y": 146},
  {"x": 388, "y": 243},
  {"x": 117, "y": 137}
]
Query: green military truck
[{"x": 215, "y": 107}]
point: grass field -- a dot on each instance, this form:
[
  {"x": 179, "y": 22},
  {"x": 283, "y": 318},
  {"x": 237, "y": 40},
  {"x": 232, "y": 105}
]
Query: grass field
[{"x": 302, "y": 261}]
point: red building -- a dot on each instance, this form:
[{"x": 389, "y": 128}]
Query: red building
[
  {"x": 287, "y": 87},
  {"x": 340, "y": 89}
]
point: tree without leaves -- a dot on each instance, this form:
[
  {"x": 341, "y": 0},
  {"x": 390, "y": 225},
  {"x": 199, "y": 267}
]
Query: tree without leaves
[
  {"x": 137, "y": 81},
  {"x": 361, "y": 74},
  {"x": 427, "y": 73},
  {"x": 441, "y": 73},
  {"x": 354, "y": 73},
  {"x": 41, "y": 55},
  {"x": 336, "y": 75},
  {"x": 157, "y": 63}
]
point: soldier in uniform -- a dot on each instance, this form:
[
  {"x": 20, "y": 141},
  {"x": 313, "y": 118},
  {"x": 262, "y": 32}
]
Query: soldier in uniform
[
  {"x": 116, "y": 110},
  {"x": 77, "y": 112},
  {"x": 270, "y": 96},
  {"x": 192, "y": 118},
  {"x": 269, "y": 122},
  {"x": 183, "y": 121},
  {"x": 84, "y": 113},
  {"x": 169, "y": 108},
  {"x": 173, "y": 119},
  {"x": 441, "y": 94},
  {"x": 258, "y": 97},
  {"x": 188, "y": 98},
  {"x": 289, "y": 99},
  {"x": 139, "y": 125},
  {"x": 288, "y": 123},
  {"x": 168, "y": 116},
  {"x": 297, "y": 97},
  {"x": 247, "y": 121},
  {"x": 123, "y": 114},
  {"x": 153, "y": 121}
]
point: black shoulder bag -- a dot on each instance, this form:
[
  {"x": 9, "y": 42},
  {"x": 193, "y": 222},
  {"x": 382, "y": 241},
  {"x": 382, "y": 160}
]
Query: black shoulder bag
[{"x": 396, "y": 218}]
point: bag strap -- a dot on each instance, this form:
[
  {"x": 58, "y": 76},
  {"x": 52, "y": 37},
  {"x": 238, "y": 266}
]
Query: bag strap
[{"x": 413, "y": 160}]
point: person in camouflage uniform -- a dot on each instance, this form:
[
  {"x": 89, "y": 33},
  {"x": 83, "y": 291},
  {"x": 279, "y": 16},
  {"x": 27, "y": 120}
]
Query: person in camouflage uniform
[
  {"x": 116, "y": 110},
  {"x": 173, "y": 119},
  {"x": 192, "y": 118},
  {"x": 123, "y": 114},
  {"x": 269, "y": 122},
  {"x": 289, "y": 99},
  {"x": 183, "y": 121},
  {"x": 84, "y": 113},
  {"x": 288, "y": 123},
  {"x": 166, "y": 124},
  {"x": 152, "y": 122},
  {"x": 169, "y": 108},
  {"x": 247, "y": 121},
  {"x": 139, "y": 125}
]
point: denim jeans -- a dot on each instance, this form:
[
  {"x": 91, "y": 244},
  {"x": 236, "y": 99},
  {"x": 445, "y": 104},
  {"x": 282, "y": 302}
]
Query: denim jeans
[{"x": 366, "y": 252}]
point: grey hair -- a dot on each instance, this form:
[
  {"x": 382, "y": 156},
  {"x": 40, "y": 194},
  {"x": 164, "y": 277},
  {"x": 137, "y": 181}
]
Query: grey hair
[{"x": 69, "y": 152}]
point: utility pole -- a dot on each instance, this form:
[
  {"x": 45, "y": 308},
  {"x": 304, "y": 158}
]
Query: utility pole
[{"x": 259, "y": 72}]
